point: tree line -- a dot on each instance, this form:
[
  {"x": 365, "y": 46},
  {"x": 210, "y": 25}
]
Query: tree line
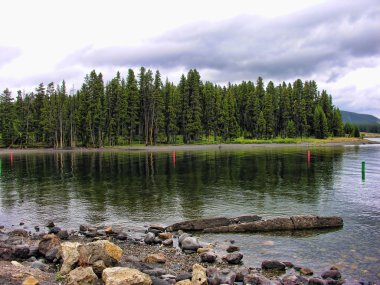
[{"x": 144, "y": 109}]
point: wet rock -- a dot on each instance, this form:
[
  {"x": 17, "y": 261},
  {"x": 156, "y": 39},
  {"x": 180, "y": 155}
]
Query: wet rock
[
  {"x": 6, "y": 252},
  {"x": 190, "y": 243},
  {"x": 227, "y": 277},
  {"x": 182, "y": 237},
  {"x": 98, "y": 267},
  {"x": 54, "y": 230},
  {"x": 272, "y": 265},
  {"x": 122, "y": 236},
  {"x": 37, "y": 228},
  {"x": 33, "y": 251},
  {"x": 256, "y": 279},
  {"x": 316, "y": 281},
  {"x": 165, "y": 235},
  {"x": 306, "y": 271},
  {"x": 50, "y": 224},
  {"x": 155, "y": 258},
  {"x": 329, "y": 222},
  {"x": 99, "y": 250},
  {"x": 232, "y": 248},
  {"x": 333, "y": 274},
  {"x": 48, "y": 242},
  {"x": 21, "y": 251},
  {"x": 157, "y": 240},
  {"x": 288, "y": 264},
  {"x": 51, "y": 255},
  {"x": 183, "y": 276},
  {"x": 19, "y": 233},
  {"x": 240, "y": 273},
  {"x": 157, "y": 272},
  {"x": 125, "y": 276},
  {"x": 294, "y": 280},
  {"x": 149, "y": 238},
  {"x": 213, "y": 276},
  {"x": 70, "y": 256},
  {"x": 84, "y": 228},
  {"x": 159, "y": 281},
  {"x": 157, "y": 227},
  {"x": 199, "y": 275},
  {"x": 168, "y": 242},
  {"x": 63, "y": 235},
  {"x": 39, "y": 265},
  {"x": 30, "y": 280},
  {"x": 208, "y": 257},
  {"x": 199, "y": 224},
  {"x": 82, "y": 276},
  {"x": 233, "y": 258}
]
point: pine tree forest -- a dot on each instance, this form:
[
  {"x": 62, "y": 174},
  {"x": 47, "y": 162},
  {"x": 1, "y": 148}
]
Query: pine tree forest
[{"x": 143, "y": 109}]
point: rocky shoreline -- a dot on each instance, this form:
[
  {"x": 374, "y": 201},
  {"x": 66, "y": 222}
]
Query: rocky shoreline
[{"x": 110, "y": 256}]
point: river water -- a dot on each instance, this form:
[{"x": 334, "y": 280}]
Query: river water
[{"x": 134, "y": 189}]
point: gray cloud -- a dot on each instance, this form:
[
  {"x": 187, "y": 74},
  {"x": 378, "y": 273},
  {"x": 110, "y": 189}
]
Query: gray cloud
[
  {"x": 7, "y": 54},
  {"x": 321, "y": 40}
]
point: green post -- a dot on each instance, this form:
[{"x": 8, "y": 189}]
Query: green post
[{"x": 363, "y": 170}]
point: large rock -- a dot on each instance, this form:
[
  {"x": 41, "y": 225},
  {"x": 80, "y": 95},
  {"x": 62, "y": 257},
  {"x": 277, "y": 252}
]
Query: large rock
[
  {"x": 82, "y": 276},
  {"x": 201, "y": 224},
  {"x": 48, "y": 242},
  {"x": 316, "y": 281},
  {"x": 257, "y": 279},
  {"x": 68, "y": 251},
  {"x": 208, "y": 256},
  {"x": 233, "y": 258},
  {"x": 213, "y": 276},
  {"x": 333, "y": 274},
  {"x": 30, "y": 280},
  {"x": 149, "y": 238},
  {"x": 99, "y": 250},
  {"x": 227, "y": 277},
  {"x": 21, "y": 251},
  {"x": 184, "y": 282},
  {"x": 199, "y": 275},
  {"x": 272, "y": 265},
  {"x": 125, "y": 276},
  {"x": 6, "y": 252},
  {"x": 280, "y": 224},
  {"x": 155, "y": 258},
  {"x": 190, "y": 243}
]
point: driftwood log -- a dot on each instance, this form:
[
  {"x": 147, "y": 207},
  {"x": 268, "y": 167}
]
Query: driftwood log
[{"x": 254, "y": 223}]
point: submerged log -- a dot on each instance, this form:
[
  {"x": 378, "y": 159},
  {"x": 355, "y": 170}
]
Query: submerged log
[
  {"x": 281, "y": 224},
  {"x": 202, "y": 224}
]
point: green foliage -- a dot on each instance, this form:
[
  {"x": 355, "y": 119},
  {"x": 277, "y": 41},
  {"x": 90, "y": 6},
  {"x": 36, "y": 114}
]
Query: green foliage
[
  {"x": 144, "y": 110},
  {"x": 291, "y": 131},
  {"x": 320, "y": 123}
]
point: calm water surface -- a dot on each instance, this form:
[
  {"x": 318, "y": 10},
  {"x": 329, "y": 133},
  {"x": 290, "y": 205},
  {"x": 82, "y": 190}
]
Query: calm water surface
[{"x": 138, "y": 188}]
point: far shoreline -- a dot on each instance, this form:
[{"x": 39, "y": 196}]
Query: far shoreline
[{"x": 188, "y": 147}]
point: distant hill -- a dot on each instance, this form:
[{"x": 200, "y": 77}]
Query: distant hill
[{"x": 359, "y": 119}]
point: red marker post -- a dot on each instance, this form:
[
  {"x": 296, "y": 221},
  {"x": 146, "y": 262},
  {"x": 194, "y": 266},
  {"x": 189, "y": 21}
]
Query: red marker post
[
  {"x": 308, "y": 157},
  {"x": 174, "y": 158},
  {"x": 11, "y": 158}
]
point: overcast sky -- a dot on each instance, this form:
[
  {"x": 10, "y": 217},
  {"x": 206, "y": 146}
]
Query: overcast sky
[{"x": 336, "y": 43}]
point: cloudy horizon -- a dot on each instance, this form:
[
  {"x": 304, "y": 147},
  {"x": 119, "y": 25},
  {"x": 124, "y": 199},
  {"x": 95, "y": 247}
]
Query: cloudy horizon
[{"x": 335, "y": 43}]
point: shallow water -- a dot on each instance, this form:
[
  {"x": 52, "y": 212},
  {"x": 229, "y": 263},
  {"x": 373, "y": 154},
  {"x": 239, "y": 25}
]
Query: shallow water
[{"x": 132, "y": 189}]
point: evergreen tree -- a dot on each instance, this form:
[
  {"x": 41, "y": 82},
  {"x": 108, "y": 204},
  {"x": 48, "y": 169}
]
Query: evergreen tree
[
  {"x": 133, "y": 105},
  {"x": 261, "y": 126},
  {"x": 320, "y": 123},
  {"x": 291, "y": 131},
  {"x": 7, "y": 128},
  {"x": 337, "y": 125}
]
